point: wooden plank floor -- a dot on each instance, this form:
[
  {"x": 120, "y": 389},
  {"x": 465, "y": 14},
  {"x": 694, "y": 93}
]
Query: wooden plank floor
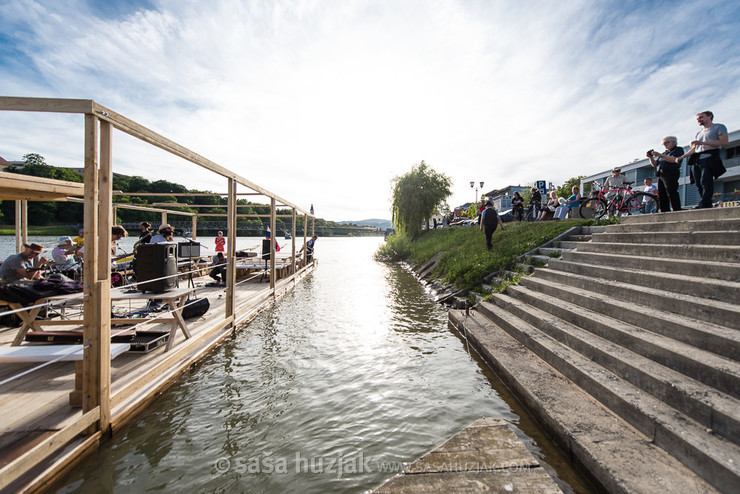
[{"x": 34, "y": 405}]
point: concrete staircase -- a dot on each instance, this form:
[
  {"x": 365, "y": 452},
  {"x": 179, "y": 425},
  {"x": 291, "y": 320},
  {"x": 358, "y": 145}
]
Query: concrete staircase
[{"x": 644, "y": 318}]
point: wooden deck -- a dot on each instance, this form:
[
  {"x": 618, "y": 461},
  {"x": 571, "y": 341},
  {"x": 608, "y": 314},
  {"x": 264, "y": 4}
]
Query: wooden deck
[{"x": 36, "y": 405}]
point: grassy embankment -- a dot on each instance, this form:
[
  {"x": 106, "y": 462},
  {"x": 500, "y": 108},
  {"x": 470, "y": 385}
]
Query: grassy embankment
[
  {"x": 38, "y": 231},
  {"x": 466, "y": 261}
]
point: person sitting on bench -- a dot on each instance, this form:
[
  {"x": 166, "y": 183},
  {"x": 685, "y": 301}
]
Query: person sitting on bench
[
  {"x": 24, "y": 265},
  {"x": 218, "y": 273}
]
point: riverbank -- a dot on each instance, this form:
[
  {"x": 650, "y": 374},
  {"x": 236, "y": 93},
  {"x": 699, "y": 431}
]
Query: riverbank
[{"x": 463, "y": 260}]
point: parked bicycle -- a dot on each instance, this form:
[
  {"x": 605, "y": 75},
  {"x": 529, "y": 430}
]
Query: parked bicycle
[{"x": 615, "y": 202}]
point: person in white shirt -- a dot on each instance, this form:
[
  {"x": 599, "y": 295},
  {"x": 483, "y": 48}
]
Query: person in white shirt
[{"x": 649, "y": 203}]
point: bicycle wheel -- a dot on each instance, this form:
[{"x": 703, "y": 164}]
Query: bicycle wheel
[
  {"x": 593, "y": 208},
  {"x": 636, "y": 204}
]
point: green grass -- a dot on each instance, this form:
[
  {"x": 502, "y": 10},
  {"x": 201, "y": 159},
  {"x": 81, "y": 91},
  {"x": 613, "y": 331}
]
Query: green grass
[
  {"x": 466, "y": 261},
  {"x": 57, "y": 230}
]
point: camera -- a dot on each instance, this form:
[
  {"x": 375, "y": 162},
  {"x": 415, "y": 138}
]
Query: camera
[{"x": 651, "y": 152}]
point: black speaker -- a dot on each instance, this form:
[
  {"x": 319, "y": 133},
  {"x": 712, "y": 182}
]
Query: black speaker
[
  {"x": 266, "y": 248},
  {"x": 156, "y": 261},
  {"x": 188, "y": 249}
]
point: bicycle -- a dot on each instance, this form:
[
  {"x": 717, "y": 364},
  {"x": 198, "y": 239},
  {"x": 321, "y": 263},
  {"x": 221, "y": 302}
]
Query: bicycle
[{"x": 623, "y": 202}]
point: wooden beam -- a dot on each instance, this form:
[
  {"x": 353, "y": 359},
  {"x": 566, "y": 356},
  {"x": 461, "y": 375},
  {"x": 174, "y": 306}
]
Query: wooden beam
[
  {"x": 100, "y": 344},
  {"x": 38, "y": 188},
  {"x": 52, "y": 105},
  {"x": 182, "y": 194},
  {"x": 194, "y": 228},
  {"x": 18, "y": 227},
  {"x": 230, "y": 302},
  {"x": 273, "y": 238},
  {"x": 91, "y": 287},
  {"x": 220, "y": 215},
  {"x": 292, "y": 236}
]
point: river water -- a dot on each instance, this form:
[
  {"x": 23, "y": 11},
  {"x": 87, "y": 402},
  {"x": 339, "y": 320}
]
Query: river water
[{"x": 350, "y": 375}]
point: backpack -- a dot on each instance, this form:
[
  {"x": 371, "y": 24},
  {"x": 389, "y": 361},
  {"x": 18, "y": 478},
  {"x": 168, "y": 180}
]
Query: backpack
[{"x": 490, "y": 218}]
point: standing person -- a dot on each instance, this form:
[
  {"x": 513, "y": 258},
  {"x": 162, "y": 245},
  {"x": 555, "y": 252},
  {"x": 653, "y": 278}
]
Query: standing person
[
  {"x": 220, "y": 242},
  {"x": 535, "y": 202},
  {"x": 145, "y": 234},
  {"x": 708, "y": 164},
  {"x": 649, "y": 202},
  {"x": 517, "y": 205},
  {"x": 309, "y": 248},
  {"x": 24, "y": 265},
  {"x": 490, "y": 220},
  {"x": 667, "y": 168}
]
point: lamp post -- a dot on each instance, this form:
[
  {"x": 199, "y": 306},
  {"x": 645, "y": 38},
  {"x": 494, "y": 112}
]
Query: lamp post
[{"x": 473, "y": 186}]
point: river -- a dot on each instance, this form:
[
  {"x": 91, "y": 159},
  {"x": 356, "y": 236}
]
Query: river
[{"x": 354, "y": 368}]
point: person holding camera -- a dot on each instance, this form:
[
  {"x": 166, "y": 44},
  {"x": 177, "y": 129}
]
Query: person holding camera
[{"x": 667, "y": 168}]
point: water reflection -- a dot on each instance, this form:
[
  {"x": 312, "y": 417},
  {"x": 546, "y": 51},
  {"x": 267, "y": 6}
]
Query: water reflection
[{"x": 355, "y": 363}]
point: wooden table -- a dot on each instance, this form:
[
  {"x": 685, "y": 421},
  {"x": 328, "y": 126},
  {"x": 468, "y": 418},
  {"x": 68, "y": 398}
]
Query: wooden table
[{"x": 174, "y": 299}]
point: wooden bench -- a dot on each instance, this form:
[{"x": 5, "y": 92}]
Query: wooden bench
[
  {"x": 174, "y": 299},
  {"x": 61, "y": 353}
]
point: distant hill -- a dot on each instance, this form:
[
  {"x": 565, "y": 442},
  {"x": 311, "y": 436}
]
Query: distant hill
[{"x": 383, "y": 224}]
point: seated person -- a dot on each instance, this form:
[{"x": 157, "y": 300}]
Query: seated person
[
  {"x": 79, "y": 240},
  {"x": 517, "y": 205},
  {"x": 218, "y": 273},
  {"x": 64, "y": 253},
  {"x": 165, "y": 234},
  {"x": 573, "y": 201},
  {"x": 549, "y": 210},
  {"x": 24, "y": 265}
]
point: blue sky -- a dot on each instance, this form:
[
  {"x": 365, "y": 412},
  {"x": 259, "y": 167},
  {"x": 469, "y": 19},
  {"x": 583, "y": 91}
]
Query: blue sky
[{"x": 324, "y": 102}]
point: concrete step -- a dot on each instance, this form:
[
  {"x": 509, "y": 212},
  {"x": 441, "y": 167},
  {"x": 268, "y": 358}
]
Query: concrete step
[
  {"x": 725, "y": 291},
  {"x": 564, "y": 244},
  {"x": 712, "y": 311},
  {"x": 598, "y": 441},
  {"x": 725, "y": 253},
  {"x": 726, "y": 271},
  {"x": 710, "y": 337},
  {"x": 677, "y": 358},
  {"x": 731, "y": 238},
  {"x": 524, "y": 268},
  {"x": 712, "y": 457},
  {"x": 687, "y": 215},
  {"x": 577, "y": 238},
  {"x": 546, "y": 251},
  {"x": 729, "y": 224},
  {"x": 589, "y": 230}
]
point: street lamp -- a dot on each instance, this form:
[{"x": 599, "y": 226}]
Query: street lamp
[{"x": 473, "y": 186}]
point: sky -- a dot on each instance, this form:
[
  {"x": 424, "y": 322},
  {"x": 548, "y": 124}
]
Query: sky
[{"x": 325, "y": 102}]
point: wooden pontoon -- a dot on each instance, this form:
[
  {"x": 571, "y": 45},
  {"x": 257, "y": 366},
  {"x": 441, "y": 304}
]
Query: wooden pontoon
[{"x": 41, "y": 435}]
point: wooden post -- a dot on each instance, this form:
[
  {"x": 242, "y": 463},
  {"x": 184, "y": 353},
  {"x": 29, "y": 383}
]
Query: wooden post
[
  {"x": 305, "y": 232},
  {"x": 273, "y": 239},
  {"x": 92, "y": 288},
  {"x": 292, "y": 236},
  {"x": 24, "y": 221},
  {"x": 194, "y": 228},
  {"x": 230, "y": 305},
  {"x": 18, "y": 227},
  {"x": 164, "y": 218},
  {"x": 114, "y": 209},
  {"x": 313, "y": 226}
]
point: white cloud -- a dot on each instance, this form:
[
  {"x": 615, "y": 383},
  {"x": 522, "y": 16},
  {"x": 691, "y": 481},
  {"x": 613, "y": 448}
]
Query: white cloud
[{"x": 325, "y": 102}]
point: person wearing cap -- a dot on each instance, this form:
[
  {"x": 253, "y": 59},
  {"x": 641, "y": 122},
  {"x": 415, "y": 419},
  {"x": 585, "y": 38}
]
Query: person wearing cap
[
  {"x": 489, "y": 221},
  {"x": 24, "y": 265},
  {"x": 63, "y": 253},
  {"x": 611, "y": 184},
  {"x": 164, "y": 234}
]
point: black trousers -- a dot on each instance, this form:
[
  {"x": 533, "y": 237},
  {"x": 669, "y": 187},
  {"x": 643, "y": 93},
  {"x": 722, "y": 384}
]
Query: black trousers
[
  {"x": 704, "y": 181},
  {"x": 217, "y": 273},
  {"x": 489, "y": 233},
  {"x": 668, "y": 190}
]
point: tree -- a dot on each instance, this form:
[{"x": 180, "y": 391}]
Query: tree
[
  {"x": 565, "y": 190},
  {"x": 415, "y": 197}
]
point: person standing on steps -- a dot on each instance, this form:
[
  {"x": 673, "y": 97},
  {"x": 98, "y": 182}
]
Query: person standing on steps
[
  {"x": 707, "y": 163},
  {"x": 489, "y": 221},
  {"x": 667, "y": 168}
]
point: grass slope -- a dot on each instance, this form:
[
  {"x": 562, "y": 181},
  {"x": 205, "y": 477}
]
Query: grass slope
[{"x": 466, "y": 261}]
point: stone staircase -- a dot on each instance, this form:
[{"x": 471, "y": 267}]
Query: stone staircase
[{"x": 644, "y": 319}]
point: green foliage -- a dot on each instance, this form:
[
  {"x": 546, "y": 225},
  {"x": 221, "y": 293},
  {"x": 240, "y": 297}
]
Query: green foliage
[
  {"x": 415, "y": 197},
  {"x": 466, "y": 261},
  {"x": 472, "y": 211},
  {"x": 566, "y": 190},
  {"x": 395, "y": 249}
]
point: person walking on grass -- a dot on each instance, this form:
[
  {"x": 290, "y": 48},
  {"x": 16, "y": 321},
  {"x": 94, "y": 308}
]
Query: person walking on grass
[{"x": 489, "y": 221}]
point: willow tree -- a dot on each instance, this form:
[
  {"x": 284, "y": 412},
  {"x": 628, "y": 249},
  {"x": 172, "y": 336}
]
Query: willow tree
[{"x": 416, "y": 196}]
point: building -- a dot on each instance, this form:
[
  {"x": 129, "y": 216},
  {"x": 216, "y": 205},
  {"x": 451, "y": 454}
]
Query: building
[
  {"x": 501, "y": 198},
  {"x": 726, "y": 187}
]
